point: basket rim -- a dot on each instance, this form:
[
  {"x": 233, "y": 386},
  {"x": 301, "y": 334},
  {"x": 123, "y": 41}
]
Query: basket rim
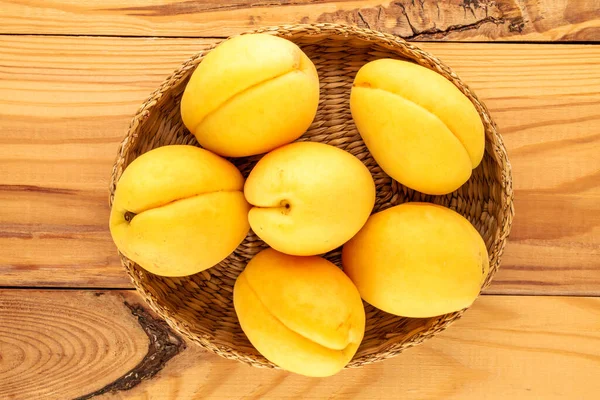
[{"x": 389, "y": 42}]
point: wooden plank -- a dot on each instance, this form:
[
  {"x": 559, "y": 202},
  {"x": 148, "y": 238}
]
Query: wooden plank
[
  {"x": 539, "y": 20},
  {"x": 66, "y": 102},
  {"x": 57, "y": 344},
  {"x": 63, "y": 344}
]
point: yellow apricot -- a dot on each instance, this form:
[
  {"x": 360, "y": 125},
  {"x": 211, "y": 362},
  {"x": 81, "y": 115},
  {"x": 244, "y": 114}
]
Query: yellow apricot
[
  {"x": 418, "y": 126},
  {"x": 308, "y": 198},
  {"x": 251, "y": 94},
  {"x": 179, "y": 210},
  {"x": 417, "y": 260},
  {"x": 301, "y": 313}
]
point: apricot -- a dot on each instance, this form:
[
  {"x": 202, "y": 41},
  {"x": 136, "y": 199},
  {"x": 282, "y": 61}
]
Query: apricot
[
  {"x": 301, "y": 313},
  {"x": 178, "y": 210},
  {"x": 251, "y": 94},
  {"x": 417, "y": 260},
  {"x": 308, "y": 198},
  {"x": 418, "y": 126}
]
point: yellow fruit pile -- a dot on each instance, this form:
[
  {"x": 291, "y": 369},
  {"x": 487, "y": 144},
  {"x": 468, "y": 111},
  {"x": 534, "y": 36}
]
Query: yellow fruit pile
[{"x": 179, "y": 210}]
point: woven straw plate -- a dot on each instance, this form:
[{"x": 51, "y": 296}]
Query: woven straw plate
[{"x": 200, "y": 307}]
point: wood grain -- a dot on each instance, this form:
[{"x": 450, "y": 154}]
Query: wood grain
[
  {"x": 65, "y": 105},
  {"x": 63, "y": 344},
  {"x": 540, "y": 20},
  {"x": 66, "y": 344},
  {"x": 66, "y": 102}
]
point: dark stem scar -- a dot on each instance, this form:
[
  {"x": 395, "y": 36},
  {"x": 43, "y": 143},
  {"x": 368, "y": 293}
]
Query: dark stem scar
[
  {"x": 129, "y": 216},
  {"x": 164, "y": 345}
]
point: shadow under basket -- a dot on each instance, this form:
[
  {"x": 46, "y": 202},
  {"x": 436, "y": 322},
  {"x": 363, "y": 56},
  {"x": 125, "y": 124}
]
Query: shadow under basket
[{"x": 200, "y": 307}]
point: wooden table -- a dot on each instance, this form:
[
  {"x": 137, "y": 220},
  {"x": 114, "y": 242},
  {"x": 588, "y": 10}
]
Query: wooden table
[{"x": 73, "y": 73}]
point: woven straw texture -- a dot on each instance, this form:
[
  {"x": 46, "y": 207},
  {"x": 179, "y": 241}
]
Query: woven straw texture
[{"x": 200, "y": 307}]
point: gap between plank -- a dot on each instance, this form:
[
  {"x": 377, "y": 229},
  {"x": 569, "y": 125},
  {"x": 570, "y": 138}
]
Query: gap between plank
[
  {"x": 114, "y": 289},
  {"x": 538, "y": 42}
]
